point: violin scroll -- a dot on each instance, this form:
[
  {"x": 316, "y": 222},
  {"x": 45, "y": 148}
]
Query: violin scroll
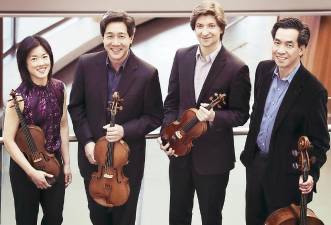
[{"x": 217, "y": 100}]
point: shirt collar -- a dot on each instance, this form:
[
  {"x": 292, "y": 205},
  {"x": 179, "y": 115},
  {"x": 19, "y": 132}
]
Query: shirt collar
[
  {"x": 109, "y": 65},
  {"x": 209, "y": 58},
  {"x": 288, "y": 78}
]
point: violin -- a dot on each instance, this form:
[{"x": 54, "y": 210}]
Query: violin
[
  {"x": 109, "y": 186},
  {"x": 293, "y": 214},
  {"x": 31, "y": 141},
  {"x": 180, "y": 134}
]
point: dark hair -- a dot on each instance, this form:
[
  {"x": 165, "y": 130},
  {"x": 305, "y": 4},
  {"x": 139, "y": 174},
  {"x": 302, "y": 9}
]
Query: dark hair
[
  {"x": 293, "y": 23},
  {"x": 212, "y": 8},
  {"x": 23, "y": 51},
  {"x": 118, "y": 16}
]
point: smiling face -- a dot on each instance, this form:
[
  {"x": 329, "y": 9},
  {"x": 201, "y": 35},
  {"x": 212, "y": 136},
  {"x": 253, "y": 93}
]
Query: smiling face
[
  {"x": 117, "y": 42},
  {"x": 208, "y": 33},
  {"x": 38, "y": 64},
  {"x": 286, "y": 51}
]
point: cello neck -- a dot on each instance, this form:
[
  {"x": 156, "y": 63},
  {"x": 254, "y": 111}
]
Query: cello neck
[{"x": 303, "y": 202}]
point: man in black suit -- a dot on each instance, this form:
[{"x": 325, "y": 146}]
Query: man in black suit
[
  {"x": 288, "y": 102},
  {"x": 198, "y": 72},
  {"x": 98, "y": 75}
]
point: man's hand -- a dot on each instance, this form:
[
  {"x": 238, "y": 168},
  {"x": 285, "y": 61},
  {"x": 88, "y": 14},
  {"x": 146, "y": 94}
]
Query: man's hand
[
  {"x": 168, "y": 151},
  {"x": 89, "y": 152},
  {"x": 306, "y": 187},
  {"x": 114, "y": 133},
  {"x": 205, "y": 115}
]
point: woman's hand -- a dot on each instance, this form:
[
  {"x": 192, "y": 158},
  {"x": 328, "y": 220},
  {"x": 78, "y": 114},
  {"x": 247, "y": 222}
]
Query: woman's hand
[
  {"x": 38, "y": 177},
  {"x": 67, "y": 175}
]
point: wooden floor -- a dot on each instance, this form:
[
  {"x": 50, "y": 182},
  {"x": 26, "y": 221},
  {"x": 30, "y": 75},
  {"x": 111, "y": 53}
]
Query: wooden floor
[{"x": 156, "y": 42}]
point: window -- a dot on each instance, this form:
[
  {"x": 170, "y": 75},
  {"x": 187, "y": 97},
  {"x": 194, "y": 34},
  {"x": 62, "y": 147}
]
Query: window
[
  {"x": 17, "y": 28},
  {"x": 8, "y": 33}
]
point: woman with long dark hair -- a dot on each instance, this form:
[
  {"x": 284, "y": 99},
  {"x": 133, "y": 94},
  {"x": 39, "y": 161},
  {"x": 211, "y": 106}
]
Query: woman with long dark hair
[{"x": 42, "y": 101}]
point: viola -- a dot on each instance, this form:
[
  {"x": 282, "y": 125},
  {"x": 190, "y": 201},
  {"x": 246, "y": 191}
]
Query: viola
[
  {"x": 31, "y": 141},
  {"x": 180, "y": 134},
  {"x": 109, "y": 186},
  {"x": 293, "y": 214}
]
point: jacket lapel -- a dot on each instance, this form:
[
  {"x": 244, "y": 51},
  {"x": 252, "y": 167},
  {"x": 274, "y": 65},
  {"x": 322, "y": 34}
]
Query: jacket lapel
[
  {"x": 264, "y": 89},
  {"x": 128, "y": 76},
  {"x": 190, "y": 62},
  {"x": 102, "y": 74},
  {"x": 290, "y": 97},
  {"x": 215, "y": 70}
]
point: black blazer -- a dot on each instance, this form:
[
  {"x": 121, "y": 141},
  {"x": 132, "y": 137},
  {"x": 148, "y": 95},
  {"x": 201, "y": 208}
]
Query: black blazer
[
  {"x": 213, "y": 152},
  {"x": 303, "y": 111},
  {"x": 142, "y": 107}
]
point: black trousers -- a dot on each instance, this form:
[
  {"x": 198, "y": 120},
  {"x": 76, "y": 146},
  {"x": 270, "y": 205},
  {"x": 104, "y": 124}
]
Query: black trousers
[
  {"x": 256, "y": 205},
  {"x": 263, "y": 198},
  {"x": 121, "y": 215},
  {"x": 27, "y": 198},
  {"x": 184, "y": 181}
]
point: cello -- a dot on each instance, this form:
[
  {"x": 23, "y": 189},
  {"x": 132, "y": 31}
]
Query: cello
[
  {"x": 30, "y": 139},
  {"x": 109, "y": 186},
  {"x": 180, "y": 134},
  {"x": 293, "y": 214}
]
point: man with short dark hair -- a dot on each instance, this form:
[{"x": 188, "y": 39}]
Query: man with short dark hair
[
  {"x": 98, "y": 76},
  {"x": 199, "y": 72},
  {"x": 289, "y": 102}
]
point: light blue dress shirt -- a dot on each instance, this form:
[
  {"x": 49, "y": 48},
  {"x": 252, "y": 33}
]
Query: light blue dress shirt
[{"x": 275, "y": 97}]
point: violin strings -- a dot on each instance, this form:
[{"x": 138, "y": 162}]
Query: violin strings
[
  {"x": 30, "y": 142},
  {"x": 190, "y": 124},
  {"x": 194, "y": 120}
]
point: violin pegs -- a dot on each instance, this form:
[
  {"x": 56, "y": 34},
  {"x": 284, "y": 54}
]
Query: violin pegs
[
  {"x": 295, "y": 166},
  {"x": 295, "y": 153}
]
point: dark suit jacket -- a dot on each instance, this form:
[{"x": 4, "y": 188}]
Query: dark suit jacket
[
  {"x": 213, "y": 152},
  {"x": 142, "y": 107},
  {"x": 303, "y": 111}
]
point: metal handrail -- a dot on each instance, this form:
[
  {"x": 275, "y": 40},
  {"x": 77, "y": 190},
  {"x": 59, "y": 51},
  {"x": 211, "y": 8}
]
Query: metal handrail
[{"x": 237, "y": 131}]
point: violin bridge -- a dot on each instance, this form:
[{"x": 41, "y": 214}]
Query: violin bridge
[
  {"x": 108, "y": 176},
  {"x": 37, "y": 160},
  {"x": 178, "y": 134}
]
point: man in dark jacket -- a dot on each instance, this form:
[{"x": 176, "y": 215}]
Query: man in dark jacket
[
  {"x": 98, "y": 76},
  {"x": 198, "y": 72},
  {"x": 289, "y": 102}
]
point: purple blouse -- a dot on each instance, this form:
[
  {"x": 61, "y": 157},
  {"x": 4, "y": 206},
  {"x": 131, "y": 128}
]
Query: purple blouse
[{"x": 43, "y": 107}]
